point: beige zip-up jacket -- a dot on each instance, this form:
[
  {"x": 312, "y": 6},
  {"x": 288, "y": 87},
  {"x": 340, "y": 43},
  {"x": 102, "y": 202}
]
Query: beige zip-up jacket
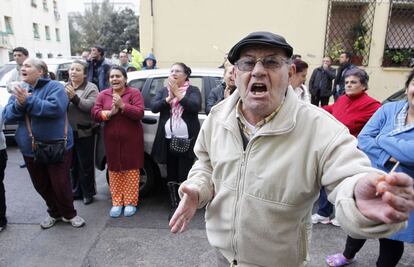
[{"x": 259, "y": 200}]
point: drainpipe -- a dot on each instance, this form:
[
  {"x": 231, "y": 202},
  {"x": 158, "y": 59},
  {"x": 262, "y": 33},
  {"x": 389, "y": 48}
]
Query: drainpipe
[{"x": 152, "y": 26}]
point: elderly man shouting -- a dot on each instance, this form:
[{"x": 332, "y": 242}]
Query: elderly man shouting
[{"x": 261, "y": 163}]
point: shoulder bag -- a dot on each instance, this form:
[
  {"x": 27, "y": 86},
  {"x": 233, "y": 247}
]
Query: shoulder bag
[
  {"x": 51, "y": 151},
  {"x": 177, "y": 144}
]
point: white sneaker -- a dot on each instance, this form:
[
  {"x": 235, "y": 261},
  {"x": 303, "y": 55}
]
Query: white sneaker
[
  {"x": 316, "y": 218},
  {"x": 49, "y": 222},
  {"x": 335, "y": 222},
  {"x": 76, "y": 221}
]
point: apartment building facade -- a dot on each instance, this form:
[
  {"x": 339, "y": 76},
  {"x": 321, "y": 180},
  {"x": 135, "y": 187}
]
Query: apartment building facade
[
  {"x": 380, "y": 33},
  {"x": 41, "y": 26}
]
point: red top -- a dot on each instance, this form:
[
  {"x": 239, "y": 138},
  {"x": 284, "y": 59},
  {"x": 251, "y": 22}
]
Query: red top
[
  {"x": 123, "y": 134},
  {"x": 353, "y": 112}
]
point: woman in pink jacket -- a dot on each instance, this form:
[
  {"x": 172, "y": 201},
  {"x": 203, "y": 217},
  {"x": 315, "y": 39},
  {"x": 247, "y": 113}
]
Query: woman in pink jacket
[{"x": 121, "y": 109}]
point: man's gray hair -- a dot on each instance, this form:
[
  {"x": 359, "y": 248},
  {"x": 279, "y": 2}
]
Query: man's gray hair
[{"x": 39, "y": 65}]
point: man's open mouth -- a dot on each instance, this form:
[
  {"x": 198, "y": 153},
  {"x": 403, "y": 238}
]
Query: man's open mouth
[{"x": 258, "y": 88}]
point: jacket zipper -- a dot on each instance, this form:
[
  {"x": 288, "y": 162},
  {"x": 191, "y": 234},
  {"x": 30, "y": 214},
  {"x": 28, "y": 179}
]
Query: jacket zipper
[{"x": 239, "y": 192}]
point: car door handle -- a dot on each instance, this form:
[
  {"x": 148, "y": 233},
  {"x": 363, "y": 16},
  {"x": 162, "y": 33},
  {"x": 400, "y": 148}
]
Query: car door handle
[{"x": 148, "y": 120}]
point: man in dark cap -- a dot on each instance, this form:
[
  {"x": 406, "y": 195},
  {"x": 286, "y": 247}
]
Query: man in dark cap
[
  {"x": 261, "y": 163},
  {"x": 98, "y": 68}
]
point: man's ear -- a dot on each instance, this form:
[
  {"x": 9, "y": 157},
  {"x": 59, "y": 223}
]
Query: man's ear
[
  {"x": 233, "y": 73},
  {"x": 292, "y": 70}
]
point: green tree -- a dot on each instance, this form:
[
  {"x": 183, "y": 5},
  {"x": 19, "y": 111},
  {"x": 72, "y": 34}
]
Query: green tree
[
  {"x": 103, "y": 25},
  {"x": 75, "y": 36}
]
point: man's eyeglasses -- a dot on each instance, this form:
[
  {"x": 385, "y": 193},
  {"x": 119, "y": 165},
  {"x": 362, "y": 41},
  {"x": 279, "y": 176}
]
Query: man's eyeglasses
[{"x": 270, "y": 63}]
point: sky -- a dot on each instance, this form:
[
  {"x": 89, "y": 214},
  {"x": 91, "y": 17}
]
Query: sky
[
  {"x": 74, "y": 5},
  {"x": 78, "y": 6}
]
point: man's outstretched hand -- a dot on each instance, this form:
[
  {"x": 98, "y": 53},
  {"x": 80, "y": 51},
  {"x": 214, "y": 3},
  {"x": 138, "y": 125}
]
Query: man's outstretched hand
[
  {"x": 388, "y": 199},
  {"x": 185, "y": 211}
]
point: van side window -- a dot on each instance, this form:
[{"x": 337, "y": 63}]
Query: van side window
[
  {"x": 198, "y": 82},
  {"x": 156, "y": 85},
  {"x": 138, "y": 83}
]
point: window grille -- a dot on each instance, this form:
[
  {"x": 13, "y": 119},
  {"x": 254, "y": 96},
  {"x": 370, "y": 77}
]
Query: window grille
[
  {"x": 349, "y": 29},
  {"x": 57, "y": 31},
  {"x": 47, "y": 32},
  {"x": 8, "y": 24},
  {"x": 36, "y": 34},
  {"x": 399, "y": 40},
  {"x": 45, "y": 8}
]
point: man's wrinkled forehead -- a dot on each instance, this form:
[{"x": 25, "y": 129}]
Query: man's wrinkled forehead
[{"x": 251, "y": 50}]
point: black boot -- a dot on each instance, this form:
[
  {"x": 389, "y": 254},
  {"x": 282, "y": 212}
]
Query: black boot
[{"x": 174, "y": 197}]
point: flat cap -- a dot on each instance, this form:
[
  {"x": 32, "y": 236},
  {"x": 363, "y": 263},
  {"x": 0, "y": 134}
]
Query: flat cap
[{"x": 254, "y": 38}]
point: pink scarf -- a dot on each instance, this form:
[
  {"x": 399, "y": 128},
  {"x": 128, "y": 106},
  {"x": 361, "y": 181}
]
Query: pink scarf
[{"x": 176, "y": 108}]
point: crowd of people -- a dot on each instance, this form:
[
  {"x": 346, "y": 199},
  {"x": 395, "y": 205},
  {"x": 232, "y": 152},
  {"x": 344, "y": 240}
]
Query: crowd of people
[{"x": 265, "y": 154}]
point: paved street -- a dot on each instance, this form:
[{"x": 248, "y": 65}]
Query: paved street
[{"x": 142, "y": 240}]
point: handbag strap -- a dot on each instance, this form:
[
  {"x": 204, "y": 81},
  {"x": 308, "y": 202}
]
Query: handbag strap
[
  {"x": 171, "y": 126},
  {"x": 29, "y": 128}
]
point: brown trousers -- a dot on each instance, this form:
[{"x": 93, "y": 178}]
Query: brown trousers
[{"x": 52, "y": 182}]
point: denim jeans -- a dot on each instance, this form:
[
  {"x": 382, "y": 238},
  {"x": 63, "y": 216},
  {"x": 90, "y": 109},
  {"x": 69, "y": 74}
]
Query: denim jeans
[{"x": 325, "y": 207}]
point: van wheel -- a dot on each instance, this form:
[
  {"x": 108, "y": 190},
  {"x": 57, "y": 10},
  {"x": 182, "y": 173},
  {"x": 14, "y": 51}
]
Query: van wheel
[{"x": 148, "y": 177}]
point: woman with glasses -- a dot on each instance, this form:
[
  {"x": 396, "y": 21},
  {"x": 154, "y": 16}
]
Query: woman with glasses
[{"x": 178, "y": 104}]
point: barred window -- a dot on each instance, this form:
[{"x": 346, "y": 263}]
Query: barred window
[
  {"x": 36, "y": 34},
  {"x": 47, "y": 32},
  {"x": 9, "y": 24},
  {"x": 57, "y": 31},
  {"x": 399, "y": 41},
  {"x": 45, "y": 8},
  {"x": 349, "y": 29}
]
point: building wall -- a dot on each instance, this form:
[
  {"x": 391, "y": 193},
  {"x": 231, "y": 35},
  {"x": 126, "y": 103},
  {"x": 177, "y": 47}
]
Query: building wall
[
  {"x": 199, "y": 32},
  {"x": 23, "y": 16}
]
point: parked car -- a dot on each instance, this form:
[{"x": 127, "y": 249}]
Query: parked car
[
  {"x": 58, "y": 66},
  {"x": 399, "y": 95},
  {"x": 150, "y": 82}
]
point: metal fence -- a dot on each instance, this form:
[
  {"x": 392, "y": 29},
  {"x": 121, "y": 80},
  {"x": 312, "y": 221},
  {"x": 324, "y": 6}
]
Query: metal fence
[
  {"x": 399, "y": 40},
  {"x": 349, "y": 29}
]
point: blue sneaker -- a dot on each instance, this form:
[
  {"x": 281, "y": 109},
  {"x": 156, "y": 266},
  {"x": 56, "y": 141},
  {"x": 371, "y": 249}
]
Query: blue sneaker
[
  {"x": 129, "y": 210},
  {"x": 115, "y": 211}
]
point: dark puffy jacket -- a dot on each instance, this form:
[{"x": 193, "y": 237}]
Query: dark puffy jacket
[
  {"x": 215, "y": 96},
  {"x": 321, "y": 80},
  {"x": 102, "y": 66}
]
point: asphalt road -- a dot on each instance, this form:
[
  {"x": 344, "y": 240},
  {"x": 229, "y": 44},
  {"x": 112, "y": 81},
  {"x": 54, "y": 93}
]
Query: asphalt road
[{"x": 141, "y": 240}]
